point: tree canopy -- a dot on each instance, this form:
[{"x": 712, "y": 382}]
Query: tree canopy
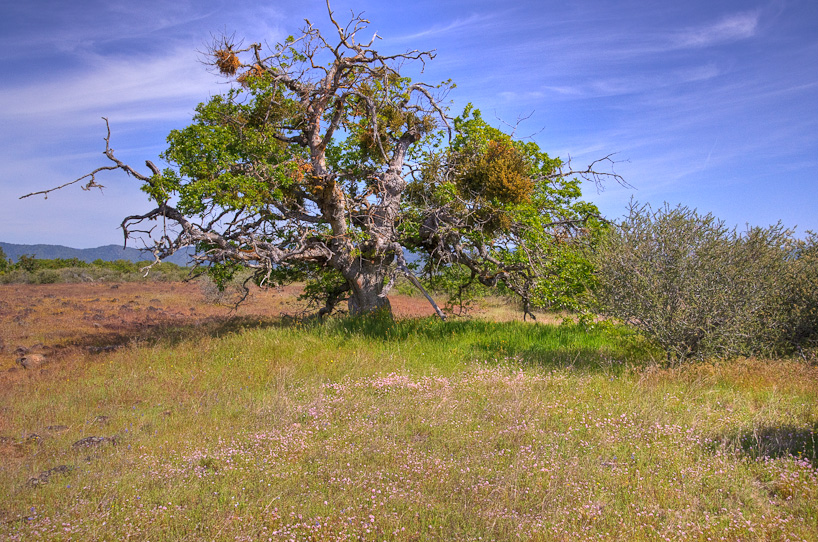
[{"x": 324, "y": 163}]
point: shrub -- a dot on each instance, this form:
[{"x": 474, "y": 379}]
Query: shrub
[
  {"x": 799, "y": 304},
  {"x": 697, "y": 288},
  {"x": 5, "y": 263},
  {"x": 28, "y": 263},
  {"x": 46, "y": 276}
]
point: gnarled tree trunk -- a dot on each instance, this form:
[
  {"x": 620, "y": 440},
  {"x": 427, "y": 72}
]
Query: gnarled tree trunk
[
  {"x": 367, "y": 299},
  {"x": 366, "y": 294}
]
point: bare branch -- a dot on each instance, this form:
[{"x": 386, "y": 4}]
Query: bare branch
[
  {"x": 593, "y": 175},
  {"x": 109, "y": 152},
  {"x": 92, "y": 183}
]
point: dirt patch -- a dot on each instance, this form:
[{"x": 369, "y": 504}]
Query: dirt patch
[{"x": 77, "y": 323}]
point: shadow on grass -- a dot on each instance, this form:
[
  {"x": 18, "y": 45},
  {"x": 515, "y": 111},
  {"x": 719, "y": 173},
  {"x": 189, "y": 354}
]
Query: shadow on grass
[
  {"x": 517, "y": 342},
  {"x": 170, "y": 332},
  {"x": 776, "y": 442},
  {"x": 576, "y": 346}
]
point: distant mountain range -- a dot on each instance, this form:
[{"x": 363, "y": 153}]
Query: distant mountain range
[
  {"x": 110, "y": 253},
  {"x": 106, "y": 253}
]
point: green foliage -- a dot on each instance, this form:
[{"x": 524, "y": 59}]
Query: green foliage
[
  {"x": 699, "y": 288},
  {"x": 500, "y": 173},
  {"x": 375, "y": 141},
  {"x": 513, "y": 211},
  {"x": 799, "y": 296},
  {"x": 28, "y": 262},
  {"x": 229, "y": 158},
  {"x": 507, "y": 190},
  {"x": 460, "y": 284},
  {"x": 46, "y": 276},
  {"x": 5, "y": 262},
  {"x": 122, "y": 266},
  {"x": 222, "y": 273},
  {"x": 494, "y": 168}
]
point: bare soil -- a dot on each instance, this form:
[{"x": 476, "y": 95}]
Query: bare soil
[{"x": 66, "y": 322}]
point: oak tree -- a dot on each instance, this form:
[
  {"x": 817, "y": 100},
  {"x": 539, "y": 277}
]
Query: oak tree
[{"x": 325, "y": 163}]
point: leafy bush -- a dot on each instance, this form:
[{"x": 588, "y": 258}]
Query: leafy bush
[
  {"x": 27, "y": 262},
  {"x": 46, "y": 276},
  {"x": 698, "y": 288},
  {"x": 799, "y": 305}
]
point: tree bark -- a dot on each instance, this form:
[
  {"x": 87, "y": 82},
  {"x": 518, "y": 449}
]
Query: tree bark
[{"x": 365, "y": 295}]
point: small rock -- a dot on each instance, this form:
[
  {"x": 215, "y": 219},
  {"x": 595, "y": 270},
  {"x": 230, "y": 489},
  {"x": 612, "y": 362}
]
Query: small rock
[
  {"x": 89, "y": 442},
  {"x": 43, "y": 477},
  {"x": 31, "y": 361},
  {"x": 99, "y": 349}
]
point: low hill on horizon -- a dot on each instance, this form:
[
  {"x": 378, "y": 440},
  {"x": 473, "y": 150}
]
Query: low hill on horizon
[{"x": 106, "y": 253}]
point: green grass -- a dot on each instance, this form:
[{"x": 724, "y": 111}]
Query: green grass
[{"x": 411, "y": 430}]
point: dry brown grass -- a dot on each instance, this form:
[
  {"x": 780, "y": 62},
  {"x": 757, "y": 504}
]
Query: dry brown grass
[{"x": 69, "y": 321}]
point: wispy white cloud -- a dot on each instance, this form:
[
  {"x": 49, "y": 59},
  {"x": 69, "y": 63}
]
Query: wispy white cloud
[
  {"x": 521, "y": 97},
  {"x": 732, "y": 28},
  {"x": 458, "y": 25},
  {"x": 139, "y": 88},
  {"x": 616, "y": 85},
  {"x": 620, "y": 47},
  {"x": 646, "y": 81}
]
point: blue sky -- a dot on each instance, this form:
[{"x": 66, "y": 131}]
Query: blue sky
[{"x": 713, "y": 104}]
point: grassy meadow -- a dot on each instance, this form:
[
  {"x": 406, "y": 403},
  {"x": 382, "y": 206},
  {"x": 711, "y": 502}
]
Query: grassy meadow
[{"x": 177, "y": 420}]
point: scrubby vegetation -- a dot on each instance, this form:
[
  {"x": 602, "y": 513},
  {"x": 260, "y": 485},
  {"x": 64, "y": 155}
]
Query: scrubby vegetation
[
  {"x": 32, "y": 270},
  {"x": 700, "y": 289}
]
